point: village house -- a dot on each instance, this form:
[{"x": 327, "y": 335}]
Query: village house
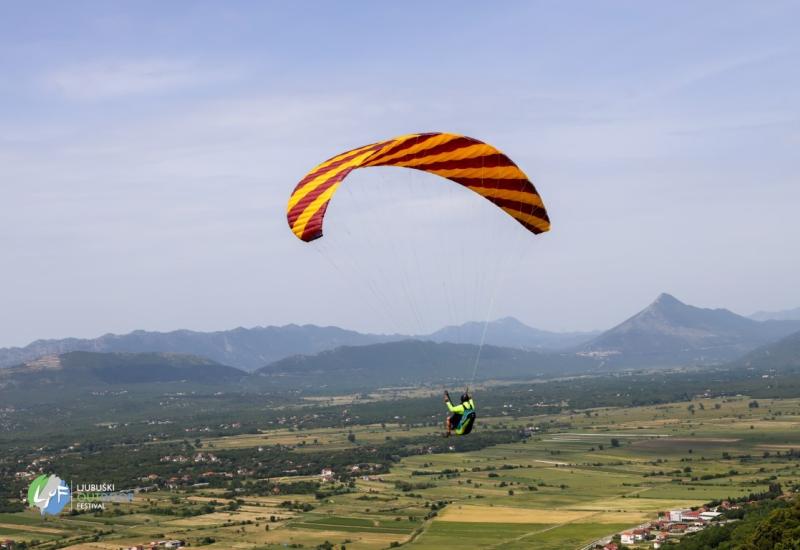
[
  {"x": 676, "y": 515},
  {"x": 690, "y": 517},
  {"x": 326, "y": 474},
  {"x": 634, "y": 535}
]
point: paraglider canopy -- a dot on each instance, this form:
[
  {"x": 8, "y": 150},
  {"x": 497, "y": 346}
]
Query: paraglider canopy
[
  {"x": 454, "y": 264},
  {"x": 467, "y": 161}
]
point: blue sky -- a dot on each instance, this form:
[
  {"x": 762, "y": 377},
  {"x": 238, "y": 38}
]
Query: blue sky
[{"x": 147, "y": 150}]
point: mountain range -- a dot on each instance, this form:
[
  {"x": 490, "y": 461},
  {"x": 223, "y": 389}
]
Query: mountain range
[
  {"x": 784, "y": 315},
  {"x": 666, "y": 333},
  {"x": 669, "y": 332},
  {"x": 414, "y": 362},
  {"x": 344, "y": 369},
  {"x": 91, "y": 370},
  {"x": 245, "y": 348},
  {"x": 511, "y": 333},
  {"x": 783, "y": 354},
  {"x": 251, "y": 348}
]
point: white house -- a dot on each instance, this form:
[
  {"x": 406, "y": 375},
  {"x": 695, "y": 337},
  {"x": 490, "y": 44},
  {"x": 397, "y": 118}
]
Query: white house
[{"x": 677, "y": 515}]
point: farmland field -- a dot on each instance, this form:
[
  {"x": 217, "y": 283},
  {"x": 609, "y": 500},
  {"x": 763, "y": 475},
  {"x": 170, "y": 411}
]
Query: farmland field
[{"x": 577, "y": 477}]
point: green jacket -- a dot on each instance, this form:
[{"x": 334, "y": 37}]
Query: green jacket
[{"x": 459, "y": 409}]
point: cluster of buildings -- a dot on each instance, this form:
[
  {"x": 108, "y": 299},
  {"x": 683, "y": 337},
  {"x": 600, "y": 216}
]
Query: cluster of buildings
[
  {"x": 197, "y": 458},
  {"x": 35, "y": 468},
  {"x": 362, "y": 470},
  {"x": 671, "y": 524}
]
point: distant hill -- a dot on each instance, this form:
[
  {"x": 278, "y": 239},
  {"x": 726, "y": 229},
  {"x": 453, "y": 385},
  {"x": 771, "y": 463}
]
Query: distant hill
[
  {"x": 669, "y": 332},
  {"x": 251, "y": 348},
  {"x": 408, "y": 362},
  {"x": 414, "y": 362},
  {"x": 666, "y": 333},
  {"x": 244, "y": 348},
  {"x": 785, "y": 315},
  {"x": 783, "y": 354},
  {"x": 81, "y": 369},
  {"x": 511, "y": 333}
]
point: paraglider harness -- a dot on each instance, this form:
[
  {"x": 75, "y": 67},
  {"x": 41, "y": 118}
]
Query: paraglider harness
[{"x": 466, "y": 420}]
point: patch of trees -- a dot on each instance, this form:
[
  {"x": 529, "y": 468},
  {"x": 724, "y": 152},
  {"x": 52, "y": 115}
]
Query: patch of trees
[
  {"x": 448, "y": 472},
  {"x": 406, "y": 486},
  {"x": 296, "y": 505},
  {"x": 182, "y": 511}
]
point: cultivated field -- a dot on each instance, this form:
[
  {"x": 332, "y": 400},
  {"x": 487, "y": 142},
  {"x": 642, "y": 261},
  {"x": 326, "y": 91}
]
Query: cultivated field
[{"x": 562, "y": 488}]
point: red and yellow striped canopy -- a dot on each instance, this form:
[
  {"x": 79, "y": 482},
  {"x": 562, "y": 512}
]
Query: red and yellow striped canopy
[{"x": 464, "y": 160}]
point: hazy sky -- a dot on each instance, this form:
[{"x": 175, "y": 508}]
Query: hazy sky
[{"x": 147, "y": 150}]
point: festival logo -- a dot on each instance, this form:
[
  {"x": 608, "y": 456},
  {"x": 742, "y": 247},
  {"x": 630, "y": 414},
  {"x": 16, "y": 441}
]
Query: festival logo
[{"x": 49, "y": 493}]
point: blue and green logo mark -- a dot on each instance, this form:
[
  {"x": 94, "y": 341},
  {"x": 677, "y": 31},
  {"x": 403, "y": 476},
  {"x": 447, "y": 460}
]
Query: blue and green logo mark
[{"x": 49, "y": 493}]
